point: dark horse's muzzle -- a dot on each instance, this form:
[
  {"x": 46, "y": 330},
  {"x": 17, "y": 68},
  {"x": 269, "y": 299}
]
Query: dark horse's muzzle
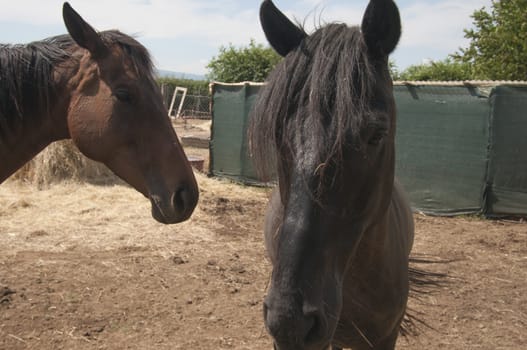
[{"x": 303, "y": 327}]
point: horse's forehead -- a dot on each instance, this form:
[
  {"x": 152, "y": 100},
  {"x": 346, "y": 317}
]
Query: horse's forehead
[{"x": 120, "y": 63}]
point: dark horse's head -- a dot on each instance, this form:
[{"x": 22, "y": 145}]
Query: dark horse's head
[{"x": 326, "y": 119}]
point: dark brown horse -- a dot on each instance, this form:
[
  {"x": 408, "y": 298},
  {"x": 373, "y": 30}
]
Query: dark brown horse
[
  {"x": 97, "y": 89},
  {"x": 338, "y": 230}
]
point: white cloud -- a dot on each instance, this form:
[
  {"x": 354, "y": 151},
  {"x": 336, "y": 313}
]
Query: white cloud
[
  {"x": 439, "y": 25},
  {"x": 204, "y": 20},
  {"x": 31, "y": 11},
  {"x": 429, "y": 27}
]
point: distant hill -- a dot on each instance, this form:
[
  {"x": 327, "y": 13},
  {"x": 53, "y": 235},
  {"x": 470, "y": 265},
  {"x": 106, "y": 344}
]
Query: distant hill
[{"x": 170, "y": 74}]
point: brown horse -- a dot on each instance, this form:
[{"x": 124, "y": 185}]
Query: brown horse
[
  {"x": 338, "y": 230},
  {"x": 99, "y": 90}
]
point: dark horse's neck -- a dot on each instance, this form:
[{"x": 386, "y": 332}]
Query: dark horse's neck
[{"x": 31, "y": 115}]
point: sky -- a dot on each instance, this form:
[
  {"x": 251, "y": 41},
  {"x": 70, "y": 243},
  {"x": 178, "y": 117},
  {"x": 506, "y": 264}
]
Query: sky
[{"x": 184, "y": 35}]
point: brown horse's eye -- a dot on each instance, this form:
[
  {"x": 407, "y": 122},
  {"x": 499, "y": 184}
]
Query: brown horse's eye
[{"x": 123, "y": 95}]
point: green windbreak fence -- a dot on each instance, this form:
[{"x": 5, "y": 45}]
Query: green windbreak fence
[
  {"x": 231, "y": 105},
  {"x": 507, "y": 177},
  {"x": 461, "y": 148},
  {"x": 441, "y": 145}
]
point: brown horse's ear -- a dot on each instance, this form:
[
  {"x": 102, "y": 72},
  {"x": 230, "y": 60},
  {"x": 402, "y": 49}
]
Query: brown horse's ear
[
  {"x": 381, "y": 26},
  {"x": 83, "y": 34},
  {"x": 282, "y": 34}
]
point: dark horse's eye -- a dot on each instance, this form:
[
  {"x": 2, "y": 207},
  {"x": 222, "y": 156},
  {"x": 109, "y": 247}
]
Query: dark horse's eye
[
  {"x": 122, "y": 95},
  {"x": 376, "y": 138}
]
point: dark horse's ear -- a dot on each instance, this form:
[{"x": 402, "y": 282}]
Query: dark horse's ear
[
  {"x": 83, "y": 34},
  {"x": 381, "y": 26},
  {"x": 282, "y": 34}
]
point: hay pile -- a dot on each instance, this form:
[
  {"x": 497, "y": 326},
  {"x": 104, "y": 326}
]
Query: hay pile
[
  {"x": 62, "y": 161},
  {"x": 72, "y": 214}
]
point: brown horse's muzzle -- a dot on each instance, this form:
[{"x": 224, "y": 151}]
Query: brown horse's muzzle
[{"x": 175, "y": 207}]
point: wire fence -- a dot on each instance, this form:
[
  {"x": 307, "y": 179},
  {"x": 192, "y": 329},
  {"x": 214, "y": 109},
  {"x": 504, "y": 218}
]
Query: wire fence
[{"x": 195, "y": 106}]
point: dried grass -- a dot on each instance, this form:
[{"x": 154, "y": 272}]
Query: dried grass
[
  {"x": 61, "y": 216},
  {"x": 56, "y": 201},
  {"x": 61, "y": 161}
]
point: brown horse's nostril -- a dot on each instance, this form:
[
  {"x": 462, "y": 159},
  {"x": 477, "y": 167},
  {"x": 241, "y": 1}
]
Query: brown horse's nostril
[
  {"x": 184, "y": 200},
  {"x": 179, "y": 199}
]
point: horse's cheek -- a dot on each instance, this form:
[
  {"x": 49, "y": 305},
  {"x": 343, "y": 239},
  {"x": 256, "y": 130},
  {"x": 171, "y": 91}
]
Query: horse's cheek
[{"x": 88, "y": 122}]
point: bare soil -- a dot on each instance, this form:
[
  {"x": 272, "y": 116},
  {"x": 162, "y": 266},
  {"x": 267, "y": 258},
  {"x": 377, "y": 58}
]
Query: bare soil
[{"x": 86, "y": 267}]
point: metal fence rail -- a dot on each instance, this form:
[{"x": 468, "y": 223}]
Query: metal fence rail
[{"x": 194, "y": 106}]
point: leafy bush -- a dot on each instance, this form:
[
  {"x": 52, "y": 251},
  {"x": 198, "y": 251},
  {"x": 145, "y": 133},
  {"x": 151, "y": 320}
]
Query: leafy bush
[
  {"x": 249, "y": 63},
  {"x": 445, "y": 70},
  {"x": 195, "y": 87}
]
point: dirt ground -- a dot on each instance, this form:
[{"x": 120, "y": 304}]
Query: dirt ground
[{"x": 86, "y": 267}]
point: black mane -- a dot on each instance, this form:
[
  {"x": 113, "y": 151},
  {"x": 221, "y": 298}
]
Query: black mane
[
  {"x": 26, "y": 84},
  {"x": 319, "y": 93},
  {"x": 25, "y": 79}
]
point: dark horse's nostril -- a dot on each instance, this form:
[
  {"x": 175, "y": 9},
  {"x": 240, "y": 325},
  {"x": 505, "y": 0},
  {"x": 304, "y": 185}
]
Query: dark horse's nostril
[
  {"x": 265, "y": 308},
  {"x": 314, "y": 327},
  {"x": 295, "y": 329},
  {"x": 267, "y": 321}
]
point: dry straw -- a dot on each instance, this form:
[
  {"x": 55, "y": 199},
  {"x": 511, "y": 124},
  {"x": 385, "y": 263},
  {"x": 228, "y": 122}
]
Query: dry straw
[{"x": 61, "y": 161}]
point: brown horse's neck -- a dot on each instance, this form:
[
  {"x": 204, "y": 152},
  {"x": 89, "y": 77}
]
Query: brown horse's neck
[{"x": 19, "y": 144}]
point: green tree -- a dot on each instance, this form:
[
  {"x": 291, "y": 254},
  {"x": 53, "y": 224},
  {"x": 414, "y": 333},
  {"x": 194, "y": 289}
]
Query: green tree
[
  {"x": 498, "y": 42},
  {"x": 394, "y": 71},
  {"x": 195, "y": 87},
  {"x": 250, "y": 63},
  {"x": 445, "y": 70}
]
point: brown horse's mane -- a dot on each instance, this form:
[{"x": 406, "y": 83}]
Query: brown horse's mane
[
  {"x": 320, "y": 92},
  {"x": 26, "y": 84}
]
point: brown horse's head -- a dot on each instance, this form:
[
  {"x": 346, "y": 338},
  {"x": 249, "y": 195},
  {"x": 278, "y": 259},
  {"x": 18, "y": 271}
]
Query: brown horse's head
[
  {"x": 328, "y": 114},
  {"x": 116, "y": 116}
]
